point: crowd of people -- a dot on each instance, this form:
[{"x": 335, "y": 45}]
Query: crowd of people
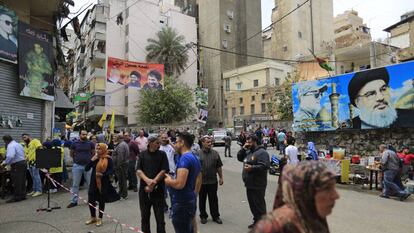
[{"x": 171, "y": 164}]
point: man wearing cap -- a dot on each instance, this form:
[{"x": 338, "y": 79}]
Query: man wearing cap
[
  {"x": 311, "y": 114},
  {"x": 369, "y": 92}
]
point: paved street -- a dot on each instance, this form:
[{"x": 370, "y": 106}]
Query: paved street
[{"x": 354, "y": 212}]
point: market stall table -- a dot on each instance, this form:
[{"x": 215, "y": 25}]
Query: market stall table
[{"x": 373, "y": 171}]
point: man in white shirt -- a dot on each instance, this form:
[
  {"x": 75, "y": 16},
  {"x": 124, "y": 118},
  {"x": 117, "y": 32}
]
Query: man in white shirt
[
  {"x": 170, "y": 151},
  {"x": 292, "y": 152},
  {"x": 142, "y": 141}
]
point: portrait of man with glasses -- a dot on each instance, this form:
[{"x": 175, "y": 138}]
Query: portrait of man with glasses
[
  {"x": 370, "y": 93},
  {"x": 312, "y": 115},
  {"x": 8, "y": 38}
]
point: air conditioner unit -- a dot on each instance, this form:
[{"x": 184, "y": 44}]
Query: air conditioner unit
[
  {"x": 224, "y": 43},
  {"x": 227, "y": 28},
  {"x": 230, "y": 14}
]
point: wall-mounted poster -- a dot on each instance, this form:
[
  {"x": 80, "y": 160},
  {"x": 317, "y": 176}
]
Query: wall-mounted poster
[
  {"x": 135, "y": 74},
  {"x": 369, "y": 99},
  {"x": 35, "y": 63},
  {"x": 8, "y": 35},
  {"x": 201, "y": 95},
  {"x": 202, "y": 116}
]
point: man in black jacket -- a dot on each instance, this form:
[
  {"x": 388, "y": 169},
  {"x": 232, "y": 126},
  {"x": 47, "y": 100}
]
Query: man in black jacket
[{"x": 255, "y": 164}]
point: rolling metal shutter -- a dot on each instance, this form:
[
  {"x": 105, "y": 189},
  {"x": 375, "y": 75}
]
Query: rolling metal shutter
[{"x": 14, "y": 105}]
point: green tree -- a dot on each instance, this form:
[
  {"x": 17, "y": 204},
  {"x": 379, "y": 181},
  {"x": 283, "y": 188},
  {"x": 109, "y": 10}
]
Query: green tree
[
  {"x": 171, "y": 105},
  {"x": 281, "y": 106},
  {"x": 168, "y": 49}
]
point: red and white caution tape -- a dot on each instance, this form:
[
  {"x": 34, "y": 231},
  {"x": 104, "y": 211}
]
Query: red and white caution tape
[{"x": 127, "y": 226}]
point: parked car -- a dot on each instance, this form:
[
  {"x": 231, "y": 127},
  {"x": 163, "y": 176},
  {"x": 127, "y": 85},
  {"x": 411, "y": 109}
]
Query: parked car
[{"x": 218, "y": 136}]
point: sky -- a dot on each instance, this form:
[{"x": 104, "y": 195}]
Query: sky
[{"x": 377, "y": 14}]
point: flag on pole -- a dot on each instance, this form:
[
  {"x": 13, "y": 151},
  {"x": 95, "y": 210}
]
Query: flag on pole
[
  {"x": 323, "y": 63},
  {"x": 102, "y": 120},
  {"x": 112, "y": 124}
]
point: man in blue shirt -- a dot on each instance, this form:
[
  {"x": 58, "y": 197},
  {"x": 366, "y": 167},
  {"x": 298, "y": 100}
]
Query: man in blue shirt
[
  {"x": 15, "y": 158},
  {"x": 81, "y": 152},
  {"x": 184, "y": 185}
]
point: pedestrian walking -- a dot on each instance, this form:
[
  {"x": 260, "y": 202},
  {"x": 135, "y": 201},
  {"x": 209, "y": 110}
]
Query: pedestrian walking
[
  {"x": 152, "y": 167},
  {"x": 227, "y": 145},
  {"x": 256, "y": 162},
  {"x": 291, "y": 152},
  {"x": 120, "y": 160},
  {"x": 100, "y": 189},
  {"x": 15, "y": 158},
  {"x": 211, "y": 166},
  {"x": 184, "y": 185},
  {"x": 281, "y": 137},
  {"x": 81, "y": 152}
]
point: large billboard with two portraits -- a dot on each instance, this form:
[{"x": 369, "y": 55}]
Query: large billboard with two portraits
[{"x": 369, "y": 99}]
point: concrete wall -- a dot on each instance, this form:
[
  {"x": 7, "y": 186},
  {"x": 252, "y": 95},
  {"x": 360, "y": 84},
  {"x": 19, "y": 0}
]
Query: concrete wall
[{"x": 362, "y": 142}]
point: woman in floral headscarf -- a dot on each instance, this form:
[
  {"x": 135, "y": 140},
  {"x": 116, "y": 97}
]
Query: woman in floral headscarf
[
  {"x": 308, "y": 197},
  {"x": 100, "y": 187}
]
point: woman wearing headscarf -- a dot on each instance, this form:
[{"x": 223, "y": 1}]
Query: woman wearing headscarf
[
  {"x": 100, "y": 188},
  {"x": 308, "y": 197},
  {"x": 312, "y": 152}
]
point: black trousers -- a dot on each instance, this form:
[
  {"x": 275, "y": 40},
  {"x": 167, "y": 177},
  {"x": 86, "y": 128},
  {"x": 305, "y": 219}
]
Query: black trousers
[
  {"x": 227, "y": 148},
  {"x": 18, "y": 177},
  {"x": 156, "y": 201},
  {"x": 58, "y": 178},
  {"x": 210, "y": 191},
  {"x": 132, "y": 177},
  {"x": 29, "y": 181},
  {"x": 257, "y": 203},
  {"x": 93, "y": 199},
  {"x": 121, "y": 173}
]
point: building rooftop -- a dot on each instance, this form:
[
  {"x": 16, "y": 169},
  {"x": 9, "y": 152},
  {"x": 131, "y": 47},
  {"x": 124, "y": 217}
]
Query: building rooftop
[{"x": 403, "y": 21}]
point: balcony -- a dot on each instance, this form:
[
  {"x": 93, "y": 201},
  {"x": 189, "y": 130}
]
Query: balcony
[{"x": 95, "y": 111}]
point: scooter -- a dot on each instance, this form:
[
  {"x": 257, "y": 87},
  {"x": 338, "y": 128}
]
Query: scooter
[{"x": 274, "y": 168}]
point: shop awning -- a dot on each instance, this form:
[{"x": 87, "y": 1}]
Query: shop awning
[{"x": 62, "y": 101}]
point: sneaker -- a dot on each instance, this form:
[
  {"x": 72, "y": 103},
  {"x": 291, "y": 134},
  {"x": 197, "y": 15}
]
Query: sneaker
[
  {"x": 203, "y": 220},
  {"x": 91, "y": 221},
  {"x": 36, "y": 194},
  {"x": 135, "y": 189},
  {"x": 403, "y": 198},
  {"x": 98, "y": 222},
  {"x": 31, "y": 193},
  {"x": 71, "y": 205},
  {"x": 124, "y": 198}
]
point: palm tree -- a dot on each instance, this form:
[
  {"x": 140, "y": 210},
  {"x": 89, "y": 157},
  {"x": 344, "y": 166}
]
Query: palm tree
[{"x": 168, "y": 49}]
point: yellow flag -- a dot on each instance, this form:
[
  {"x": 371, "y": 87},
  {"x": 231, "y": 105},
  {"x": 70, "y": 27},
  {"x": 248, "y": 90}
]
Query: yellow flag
[
  {"x": 102, "y": 120},
  {"x": 112, "y": 125}
]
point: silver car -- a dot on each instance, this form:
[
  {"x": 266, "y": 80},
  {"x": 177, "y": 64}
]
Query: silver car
[{"x": 218, "y": 137}]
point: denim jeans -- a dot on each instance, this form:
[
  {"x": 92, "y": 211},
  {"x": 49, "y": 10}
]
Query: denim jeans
[
  {"x": 37, "y": 183},
  {"x": 390, "y": 186},
  {"x": 77, "y": 171},
  {"x": 182, "y": 216}
]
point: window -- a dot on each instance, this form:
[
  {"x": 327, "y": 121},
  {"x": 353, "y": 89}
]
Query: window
[
  {"x": 127, "y": 12},
  {"x": 126, "y": 47},
  {"x": 233, "y": 112},
  {"x": 238, "y": 86},
  {"x": 240, "y": 100},
  {"x": 227, "y": 84},
  {"x": 252, "y": 109},
  {"x": 253, "y": 98},
  {"x": 241, "y": 110},
  {"x": 300, "y": 34},
  {"x": 263, "y": 96},
  {"x": 263, "y": 107},
  {"x": 225, "y": 103},
  {"x": 127, "y": 29},
  {"x": 224, "y": 43},
  {"x": 277, "y": 82},
  {"x": 284, "y": 48},
  {"x": 256, "y": 83}
]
